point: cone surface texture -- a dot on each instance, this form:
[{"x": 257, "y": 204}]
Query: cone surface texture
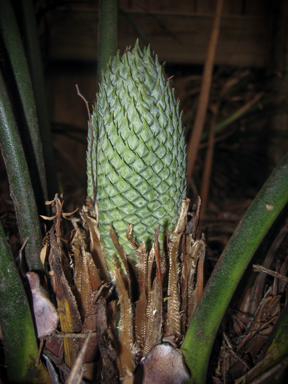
[{"x": 136, "y": 158}]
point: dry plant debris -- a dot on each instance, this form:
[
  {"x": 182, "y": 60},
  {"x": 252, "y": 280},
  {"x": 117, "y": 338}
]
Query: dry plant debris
[
  {"x": 248, "y": 326},
  {"x": 130, "y": 310}
]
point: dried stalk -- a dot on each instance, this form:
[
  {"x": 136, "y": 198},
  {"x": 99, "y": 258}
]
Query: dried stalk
[{"x": 204, "y": 93}]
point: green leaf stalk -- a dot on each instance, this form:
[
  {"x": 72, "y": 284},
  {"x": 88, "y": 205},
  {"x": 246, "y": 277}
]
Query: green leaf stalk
[
  {"x": 20, "y": 342},
  {"x": 21, "y": 189},
  {"x": 34, "y": 59},
  {"x": 12, "y": 40},
  {"x": 229, "y": 269},
  {"x": 108, "y": 32}
]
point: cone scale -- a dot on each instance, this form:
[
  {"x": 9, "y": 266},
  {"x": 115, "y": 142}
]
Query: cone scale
[{"x": 136, "y": 158}]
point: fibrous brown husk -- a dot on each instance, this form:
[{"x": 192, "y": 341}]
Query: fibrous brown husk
[{"x": 156, "y": 298}]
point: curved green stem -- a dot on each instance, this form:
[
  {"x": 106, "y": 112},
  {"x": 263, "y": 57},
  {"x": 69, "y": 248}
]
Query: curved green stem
[
  {"x": 20, "y": 343},
  {"x": 37, "y": 76},
  {"x": 108, "y": 25},
  {"x": 12, "y": 40},
  {"x": 20, "y": 184},
  {"x": 229, "y": 269}
]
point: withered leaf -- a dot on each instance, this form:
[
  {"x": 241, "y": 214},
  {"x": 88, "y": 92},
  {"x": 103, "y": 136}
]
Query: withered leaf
[
  {"x": 105, "y": 343},
  {"x": 195, "y": 250},
  {"x": 126, "y": 336},
  {"x": 86, "y": 276},
  {"x": 90, "y": 325},
  {"x": 183, "y": 216},
  {"x": 141, "y": 304},
  {"x": 130, "y": 237},
  {"x": 154, "y": 302},
  {"x": 184, "y": 288},
  {"x": 122, "y": 256},
  {"x": 96, "y": 249},
  {"x": 173, "y": 323},
  {"x": 70, "y": 319}
]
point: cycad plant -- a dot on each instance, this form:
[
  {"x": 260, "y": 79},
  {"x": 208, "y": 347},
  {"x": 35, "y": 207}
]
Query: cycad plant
[
  {"x": 130, "y": 272},
  {"x": 136, "y": 144},
  {"x": 137, "y": 212}
]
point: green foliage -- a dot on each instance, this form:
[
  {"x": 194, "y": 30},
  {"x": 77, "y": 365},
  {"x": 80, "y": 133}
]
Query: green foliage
[
  {"x": 19, "y": 179},
  {"x": 20, "y": 342},
  {"x": 136, "y": 155},
  {"x": 29, "y": 127},
  {"x": 230, "y": 268},
  {"x": 16, "y": 321},
  {"x": 34, "y": 59}
]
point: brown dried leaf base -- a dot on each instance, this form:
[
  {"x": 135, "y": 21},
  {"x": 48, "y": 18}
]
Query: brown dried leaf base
[{"x": 144, "y": 306}]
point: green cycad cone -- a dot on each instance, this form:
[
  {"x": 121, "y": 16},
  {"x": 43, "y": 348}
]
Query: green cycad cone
[{"x": 136, "y": 159}]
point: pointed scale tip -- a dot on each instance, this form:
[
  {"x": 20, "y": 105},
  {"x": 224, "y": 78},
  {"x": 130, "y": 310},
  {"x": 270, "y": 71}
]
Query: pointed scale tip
[{"x": 137, "y": 46}]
